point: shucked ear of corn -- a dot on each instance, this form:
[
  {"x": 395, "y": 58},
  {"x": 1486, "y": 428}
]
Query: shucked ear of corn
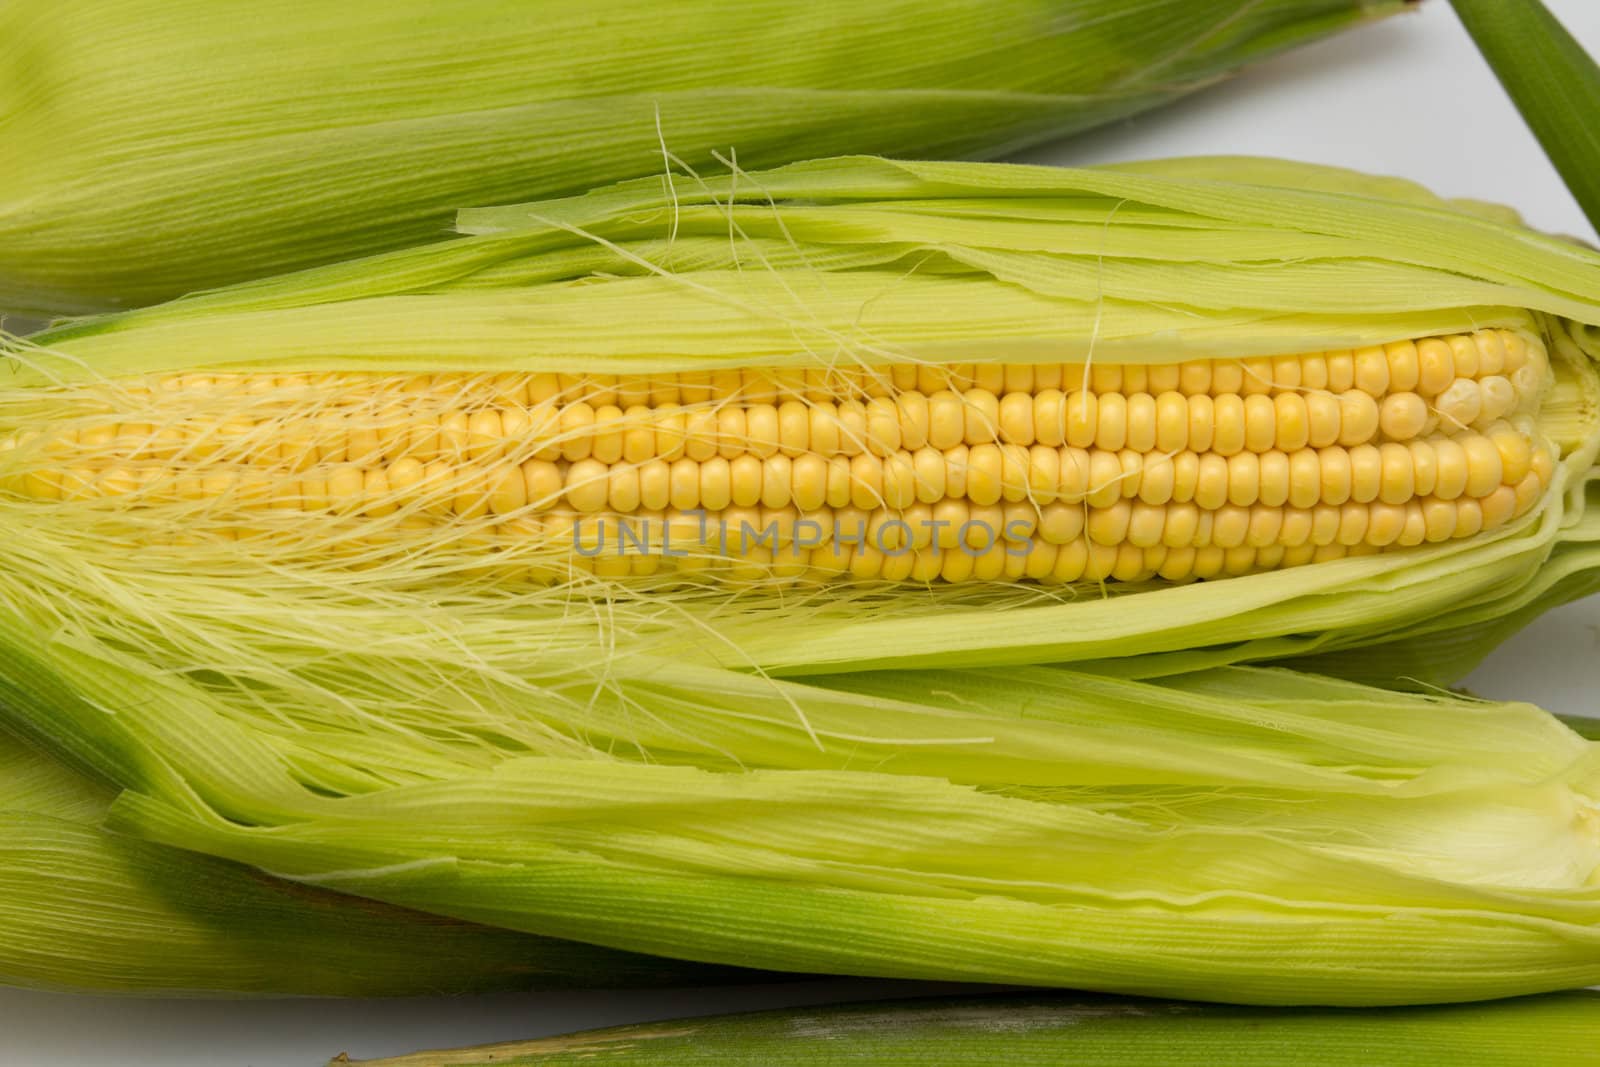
[
  {"x": 155, "y": 147},
  {"x": 84, "y": 909},
  {"x": 295, "y": 564},
  {"x": 1041, "y": 1031},
  {"x": 916, "y": 414}
]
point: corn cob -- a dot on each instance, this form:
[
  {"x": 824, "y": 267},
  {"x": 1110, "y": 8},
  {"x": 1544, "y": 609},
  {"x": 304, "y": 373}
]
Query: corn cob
[
  {"x": 1052, "y": 472},
  {"x": 85, "y": 910},
  {"x": 250, "y": 146},
  {"x": 1034, "y": 1031}
]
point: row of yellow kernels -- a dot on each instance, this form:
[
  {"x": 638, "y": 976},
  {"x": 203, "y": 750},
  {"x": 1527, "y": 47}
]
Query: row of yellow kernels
[
  {"x": 948, "y": 522},
  {"x": 1080, "y": 561},
  {"x": 1169, "y": 422},
  {"x": 1472, "y": 465}
]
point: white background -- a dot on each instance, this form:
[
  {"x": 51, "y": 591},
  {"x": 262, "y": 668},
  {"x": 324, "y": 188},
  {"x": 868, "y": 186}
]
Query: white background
[{"x": 1409, "y": 97}]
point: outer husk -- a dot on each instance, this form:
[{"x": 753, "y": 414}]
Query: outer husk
[
  {"x": 86, "y": 910},
  {"x": 1035, "y": 1031},
  {"x": 154, "y": 147},
  {"x": 624, "y": 763}
]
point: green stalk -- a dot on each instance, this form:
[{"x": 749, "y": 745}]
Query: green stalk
[
  {"x": 1037, "y": 1031},
  {"x": 83, "y": 909},
  {"x": 1553, "y": 82}
]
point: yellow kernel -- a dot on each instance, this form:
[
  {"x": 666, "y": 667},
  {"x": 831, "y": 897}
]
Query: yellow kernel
[
  {"x": 483, "y": 438},
  {"x": 1404, "y": 366},
  {"x": 1366, "y": 473},
  {"x": 883, "y": 426},
  {"x": 1105, "y": 378},
  {"x": 1322, "y": 419},
  {"x": 1105, "y": 479},
  {"x": 912, "y": 409},
  {"x": 1227, "y": 377},
  {"x": 1156, "y": 479},
  {"x": 1230, "y": 526},
  {"x": 1181, "y": 525},
  {"x": 946, "y": 420},
  {"x": 622, "y": 488},
  {"x": 1341, "y": 371},
  {"x": 1141, "y": 416},
  {"x": 1358, "y": 417},
  {"x": 984, "y": 470},
  {"x": 1464, "y": 355},
  {"x": 1244, "y": 478},
  {"x": 1228, "y": 426},
  {"x": 606, "y": 440},
  {"x": 1201, "y": 432},
  {"x": 899, "y": 481},
  {"x": 955, "y": 471},
  {"x": 1075, "y": 469},
  {"x": 1439, "y": 518},
  {"x": 852, "y": 418},
  {"x": 1050, "y": 418},
  {"x": 982, "y": 413},
  {"x": 1491, "y": 352},
  {"x": 1305, "y": 478},
  {"x": 1266, "y": 524},
  {"x": 1292, "y": 431},
  {"x": 586, "y": 485},
  {"x": 671, "y": 432},
  {"x": 1436, "y": 367},
  {"x": 716, "y": 484},
  {"x": 1083, "y": 419},
  {"x": 1260, "y": 422},
  {"x": 1257, "y": 376},
  {"x": 1498, "y": 507},
  {"x": 761, "y": 430},
  {"x": 1337, "y": 475},
  {"x": 1295, "y": 532},
  {"x": 1484, "y": 468},
  {"x": 1372, "y": 371},
  {"x": 1424, "y": 462},
  {"x": 1402, "y": 416},
  {"x": 1397, "y": 482},
  {"x": 1016, "y": 418},
  {"x": 1452, "y": 464},
  {"x": 1171, "y": 421},
  {"x": 1499, "y": 399},
  {"x": 1111, "y": 433},
  {"x": 1213, "y": 482},
  {"x": 744, "y": 472},
  {"x": 1274, "y": 478},
  {"x": 1194, "y": 377},
  {"x": 1185, "y": 475}
]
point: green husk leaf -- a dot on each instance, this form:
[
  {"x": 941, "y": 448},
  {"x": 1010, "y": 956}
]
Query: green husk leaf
[
  {"x": 1552, "y": 80},
  {"x": 83, "y": 909},
  {"x": 157, "y": 147},
  {"x": 1030, "y": 1030}
]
